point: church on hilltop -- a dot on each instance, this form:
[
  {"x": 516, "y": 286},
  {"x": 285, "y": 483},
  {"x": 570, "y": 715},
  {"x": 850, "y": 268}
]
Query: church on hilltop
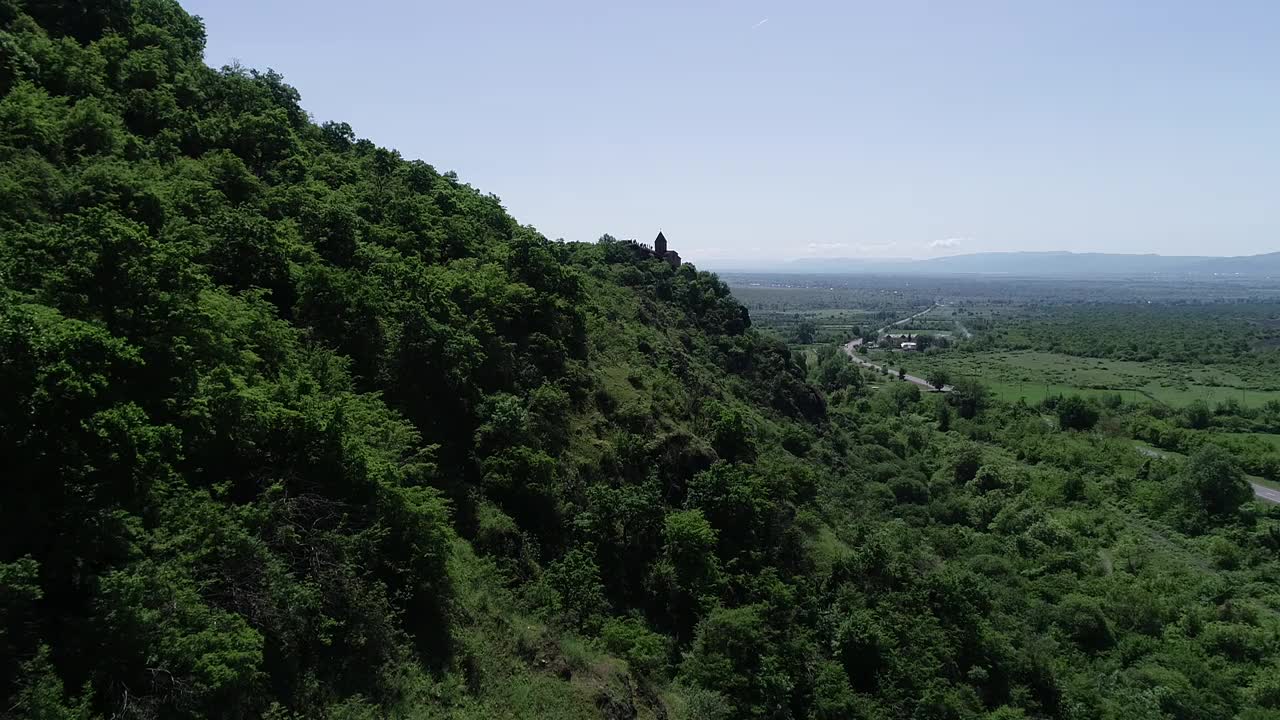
[{"x": 661, "y": 251}]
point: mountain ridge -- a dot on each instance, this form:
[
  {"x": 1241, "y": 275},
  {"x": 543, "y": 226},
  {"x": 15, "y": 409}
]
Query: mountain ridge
[{"x": 1054, "y": 262}]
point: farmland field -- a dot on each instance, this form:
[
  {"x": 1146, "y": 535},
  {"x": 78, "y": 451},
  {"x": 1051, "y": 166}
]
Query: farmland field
[
  {"x": 1188, "y": 366},
  {"x": 1271, "y": 439},
  {"x": 1165, "y": 342},
  {"x": 1033, "y": 376}
]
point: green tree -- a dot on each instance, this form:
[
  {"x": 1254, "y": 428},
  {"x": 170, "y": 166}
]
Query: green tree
[
  {"x": 1215, "y": 481},
  {"x": 689, "y": 544},
  {"x": 968, "y": 397},
  {"x": 579, "y": 594},
  {"x": 938, "y": 378},
  {"x": 735, "y": 653},
  {"x": 903, "y": 396},
  {"x": 806, "y": 332},
  {"x": 1082, "y": 619},
  {"x": 737, "y": 503},
  {"x": 1197, "y": 415},
  {"x": 943, "y": 411},
  {"x": 833, "y": 697},
  {"x": 731, "y": 435},
  {"x": 1076, "y": 413},
  {"x": 687, "y": 577},
  {"x": 644, "y": 650}
]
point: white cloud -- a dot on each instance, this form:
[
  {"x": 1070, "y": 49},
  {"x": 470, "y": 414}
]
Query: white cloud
[
  {"x": 848, "y": 249},
  {"x": 947, "y": 244}
]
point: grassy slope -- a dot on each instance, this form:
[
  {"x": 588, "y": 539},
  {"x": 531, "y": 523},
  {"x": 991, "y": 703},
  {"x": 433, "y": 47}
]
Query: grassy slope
[{"x": 514, "y": 664}]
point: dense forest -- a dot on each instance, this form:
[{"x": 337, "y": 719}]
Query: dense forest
[{"x": 293, "y": 427}]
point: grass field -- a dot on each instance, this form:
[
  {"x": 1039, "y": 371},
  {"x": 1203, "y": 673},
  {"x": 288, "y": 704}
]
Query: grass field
[
  {"x": 1271, "y": 439},
  {"x": 810, "y": 353},
  {"x": 1034, "y": 375}
]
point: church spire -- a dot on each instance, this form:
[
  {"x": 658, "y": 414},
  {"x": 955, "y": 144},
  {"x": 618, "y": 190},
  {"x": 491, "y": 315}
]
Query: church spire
[{"x": 660, "y": 245}]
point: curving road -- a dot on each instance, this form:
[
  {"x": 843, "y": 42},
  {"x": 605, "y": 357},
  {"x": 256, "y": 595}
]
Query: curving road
[{"x": 851, "y": 349}]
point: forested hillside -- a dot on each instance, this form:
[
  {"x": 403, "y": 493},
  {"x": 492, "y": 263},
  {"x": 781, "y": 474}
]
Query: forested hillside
[{"x": 293, "y": 427}]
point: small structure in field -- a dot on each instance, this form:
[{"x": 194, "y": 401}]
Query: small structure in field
[{"x": 909, "y": 346}]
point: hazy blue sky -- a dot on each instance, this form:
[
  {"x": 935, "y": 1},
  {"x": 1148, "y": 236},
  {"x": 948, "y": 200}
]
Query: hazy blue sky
[{"x": 756, "y": 129}]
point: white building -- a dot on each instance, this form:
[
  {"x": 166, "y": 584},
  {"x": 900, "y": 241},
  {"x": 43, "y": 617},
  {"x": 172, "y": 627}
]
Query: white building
[{"x": 909, "y": 346}]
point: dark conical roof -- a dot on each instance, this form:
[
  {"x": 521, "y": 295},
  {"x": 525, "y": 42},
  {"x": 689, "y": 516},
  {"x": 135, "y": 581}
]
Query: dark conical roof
[{"x": 660, "y": 239}]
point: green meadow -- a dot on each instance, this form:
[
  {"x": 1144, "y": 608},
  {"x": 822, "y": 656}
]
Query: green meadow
[{"x": 1033, "y": 375}]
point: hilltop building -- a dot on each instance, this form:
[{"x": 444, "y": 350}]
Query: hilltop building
[{"x": 661, "y": 251}]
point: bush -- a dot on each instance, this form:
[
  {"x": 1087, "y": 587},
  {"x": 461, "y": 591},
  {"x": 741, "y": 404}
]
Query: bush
[
  {"x": 1082, "y": 619},
  {"x": 579, "y": 594},
  {"x": 644, "y": 650},
  {"x": 1076, "y": 413}
]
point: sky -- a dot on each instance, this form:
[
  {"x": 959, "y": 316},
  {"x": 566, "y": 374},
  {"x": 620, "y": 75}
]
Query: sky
[{"x": 754, "y": 131}]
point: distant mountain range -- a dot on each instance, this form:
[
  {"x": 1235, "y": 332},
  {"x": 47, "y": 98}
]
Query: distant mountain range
[{"x": 1036, "y": 263}]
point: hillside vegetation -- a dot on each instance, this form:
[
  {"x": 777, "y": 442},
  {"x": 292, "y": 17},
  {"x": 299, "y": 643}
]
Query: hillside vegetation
[{"x": 292, "y": 427}]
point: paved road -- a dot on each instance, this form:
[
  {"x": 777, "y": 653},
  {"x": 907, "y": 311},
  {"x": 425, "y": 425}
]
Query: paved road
[
  {"x": 906, "y": 320},
  {"x": 1266, "y": 493},
  {"x": 1259, "y": 490},
  {"x": 851, "y": 349}
]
